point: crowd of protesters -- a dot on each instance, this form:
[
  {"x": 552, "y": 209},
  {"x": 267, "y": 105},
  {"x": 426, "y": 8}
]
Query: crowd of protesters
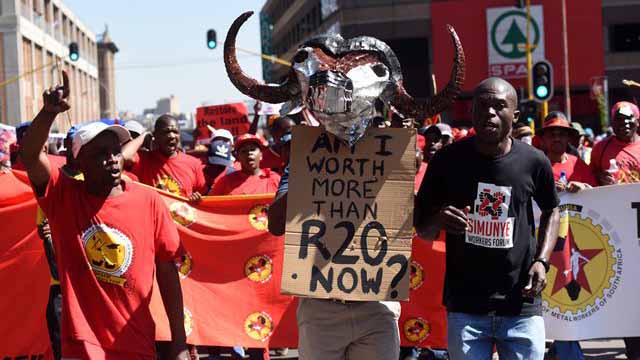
[{"x": 91, "y": 186}]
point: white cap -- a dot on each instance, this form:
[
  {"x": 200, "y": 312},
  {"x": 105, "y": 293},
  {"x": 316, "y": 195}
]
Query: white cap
[
  {"x": 134, "y": 126},
  {"x": 87, "y": 132},
  {"x": 222, "y": 133}
]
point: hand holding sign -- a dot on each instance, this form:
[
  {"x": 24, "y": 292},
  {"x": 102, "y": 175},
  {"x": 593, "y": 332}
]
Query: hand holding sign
[{"x": 55, "y": 98}]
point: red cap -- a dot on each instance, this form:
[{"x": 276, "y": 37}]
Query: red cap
[
  {"x": 558, "y": 122},
  {"x": 247, "y": 138}
]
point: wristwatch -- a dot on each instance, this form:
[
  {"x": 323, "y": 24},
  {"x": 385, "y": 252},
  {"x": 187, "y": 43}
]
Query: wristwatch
[{"x": 544, "y": 263}]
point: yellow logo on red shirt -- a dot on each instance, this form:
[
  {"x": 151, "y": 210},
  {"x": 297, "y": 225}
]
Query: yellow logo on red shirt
[
  {"x": 182, "y": 213},
  {"x": 185, "y": 265},
  {"x": 259, "y": 268},
  {"x": 169, "y": 184},
  {"x": 416, "y": 329},
  {"x": 258, "y": 326},
  {"x": 417, "y": 275},
  {"x": 258, "y": 217},
  {"x": 109, "y": 253}
]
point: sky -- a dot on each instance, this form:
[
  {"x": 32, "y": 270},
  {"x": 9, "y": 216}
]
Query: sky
[{"x": 163, "y": 48}]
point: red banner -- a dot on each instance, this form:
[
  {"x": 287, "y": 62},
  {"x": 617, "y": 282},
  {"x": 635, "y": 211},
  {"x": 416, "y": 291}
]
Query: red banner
[
  {"x": 233, "y": 117},
  {"x": 230, "y": 278}
]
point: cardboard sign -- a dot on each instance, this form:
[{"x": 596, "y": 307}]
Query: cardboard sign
[
  {"x": 350, "y": 215},
  {"x": 233, "y": 117}
]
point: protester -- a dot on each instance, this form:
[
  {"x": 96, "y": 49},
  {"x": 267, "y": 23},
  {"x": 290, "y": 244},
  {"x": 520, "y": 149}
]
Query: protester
[
  {"x": 330, "y": 329},
  {"x": 166, "y": 167},
  {"x": 271, "y": 158},
  {"x": 436, "y": 137},
  {"x": 250, "y": 179},
  {"x": 570, "y": 172},
  {"x": 107, "y": 285},
  {"x": 616, "y": 159},
  {"x": 492, "y": 288},
  {"x": 219, "y": 162},
  {"x": 523, "y": 132}
]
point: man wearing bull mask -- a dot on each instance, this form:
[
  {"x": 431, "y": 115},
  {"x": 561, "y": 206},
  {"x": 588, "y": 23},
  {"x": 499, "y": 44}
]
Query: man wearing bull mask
[
  {"x": 336, "y": 83},
  {"x": 479, "y": 191},
  {"x": 107, "y": 251}
]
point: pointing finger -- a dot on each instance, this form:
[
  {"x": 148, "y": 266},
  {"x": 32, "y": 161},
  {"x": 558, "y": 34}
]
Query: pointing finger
[{"x": 65, "y": 84}]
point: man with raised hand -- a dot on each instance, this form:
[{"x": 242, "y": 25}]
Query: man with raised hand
[
  {"x": 479, "y": 191},
  {"x": 107, "y": 250}
]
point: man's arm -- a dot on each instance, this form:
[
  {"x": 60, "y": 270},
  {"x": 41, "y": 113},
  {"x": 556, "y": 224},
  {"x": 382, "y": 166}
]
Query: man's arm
[
  {"x": 34, "y": 160},
  {"x": 171, "y": 292},
  {"x": 278, "y": 214},
  {"x": 547, "y": 237},
  {"x": 130, "y": 149}
]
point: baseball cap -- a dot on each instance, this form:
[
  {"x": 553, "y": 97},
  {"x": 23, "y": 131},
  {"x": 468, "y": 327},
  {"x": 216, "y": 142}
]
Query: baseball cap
[
  {"x": 88, "y": 132},
  {"x": 557, "y": 121},
  {"x": 219, "y": 153},
  {"x": 624, "y": 108},
  {"x": 578, "y": 127},
  {"x": 247, "y": 138},
  {"x": 224, "y": 134},
  {"x": 134, "y": 126},
  {"x": 444, "y": 129}
]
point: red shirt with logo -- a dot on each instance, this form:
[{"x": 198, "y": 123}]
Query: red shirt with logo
[
  {"x": 106, "y": 249},
  {"x": 180, "y": 174},
  {"x": 575, "y": 170},
  {"x": 239, "y": 183},
  {"x": 627, "y": 157}
]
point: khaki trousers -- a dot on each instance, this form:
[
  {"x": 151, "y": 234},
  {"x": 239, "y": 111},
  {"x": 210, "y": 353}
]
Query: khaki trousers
[{"x": 331, "y": 330}]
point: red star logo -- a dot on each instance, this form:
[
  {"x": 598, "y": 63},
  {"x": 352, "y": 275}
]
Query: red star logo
[{"x": 568, "y": 258}]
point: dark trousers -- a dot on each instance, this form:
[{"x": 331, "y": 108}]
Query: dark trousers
[
  {"x": 54, "y": 312},
  {"x": 633, "y": 348}
]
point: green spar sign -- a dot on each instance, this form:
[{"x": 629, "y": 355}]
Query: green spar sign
[{"x": 509, "y": 45}]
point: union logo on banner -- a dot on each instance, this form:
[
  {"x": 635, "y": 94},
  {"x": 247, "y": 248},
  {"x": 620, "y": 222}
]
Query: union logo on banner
[
  {"x": 258, "y": 326},
  {"x": 586, "y": 266},
  {"x": 259, "y": 268},
  {"x": 416, "y": 329},
  {"x": 258, "y": 217}
]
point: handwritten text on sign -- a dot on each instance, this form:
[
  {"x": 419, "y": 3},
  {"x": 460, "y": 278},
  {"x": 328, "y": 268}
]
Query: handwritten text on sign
[
  {"x": 233, "y": 117},
  {"x": 349, "y": 215}
]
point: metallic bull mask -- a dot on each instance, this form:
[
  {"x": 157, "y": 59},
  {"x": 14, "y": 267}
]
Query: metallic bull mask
[{"x": 339, "y": 81}]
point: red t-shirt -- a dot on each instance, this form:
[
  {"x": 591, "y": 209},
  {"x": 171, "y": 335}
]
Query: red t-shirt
[
  {"x": 575, "y": 170},
  {"x": 239, "y": 183},
  {"x": 420, "y": 176},
  {"x": 106, "y": 249},
  {"x": 627, "y": 157},
  {"x": 181, "y": 174},
  {"x": 270, "y": 159},
  {"x": 55, "y": 161}
]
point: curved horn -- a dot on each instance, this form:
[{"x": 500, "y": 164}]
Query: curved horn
[
  {"x": 245, "y": 84},
  {"x": 409, "y": 107}
]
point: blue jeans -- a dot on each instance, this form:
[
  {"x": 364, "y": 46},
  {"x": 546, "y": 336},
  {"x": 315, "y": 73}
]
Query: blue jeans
[{"x": 472, "y": 337}]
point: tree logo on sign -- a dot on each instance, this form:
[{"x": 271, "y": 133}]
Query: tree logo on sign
[{"x": 512, "y": 44}]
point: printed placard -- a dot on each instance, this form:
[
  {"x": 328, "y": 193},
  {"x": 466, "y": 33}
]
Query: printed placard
[
  {"x": 490, "y": 225},
  {"x": 350, "y": 215}
]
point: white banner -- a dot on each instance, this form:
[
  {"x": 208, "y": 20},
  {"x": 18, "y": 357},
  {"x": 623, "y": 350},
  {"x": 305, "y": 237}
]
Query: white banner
[
  {"x": 506, "y": 40},
  {"x": 593, "y": 287}
]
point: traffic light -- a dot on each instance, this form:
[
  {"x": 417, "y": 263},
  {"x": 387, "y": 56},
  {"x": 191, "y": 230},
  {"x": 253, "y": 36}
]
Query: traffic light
[
  {"x": 74, "y": 53},
  {"x": 528, "y": 111},
  {"x": 212, "y": 42},
  {"x": 542, "y": 81}
]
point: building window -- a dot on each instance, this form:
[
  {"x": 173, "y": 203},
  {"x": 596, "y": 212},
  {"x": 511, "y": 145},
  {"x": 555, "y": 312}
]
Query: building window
[{"x": 625, "y": 37}]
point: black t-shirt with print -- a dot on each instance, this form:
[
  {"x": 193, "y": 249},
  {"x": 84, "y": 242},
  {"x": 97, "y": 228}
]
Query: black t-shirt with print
[{"x": 488, "y": 267}]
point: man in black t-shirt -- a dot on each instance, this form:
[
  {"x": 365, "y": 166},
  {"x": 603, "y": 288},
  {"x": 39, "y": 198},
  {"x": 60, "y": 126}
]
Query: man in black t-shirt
[{"x": 479, "y": 191}]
